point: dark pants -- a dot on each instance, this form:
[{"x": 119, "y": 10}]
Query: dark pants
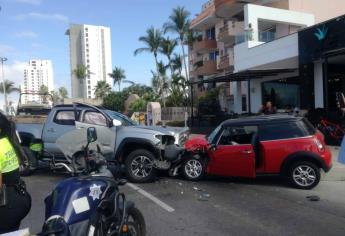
[{"x": 18, "y": 206}]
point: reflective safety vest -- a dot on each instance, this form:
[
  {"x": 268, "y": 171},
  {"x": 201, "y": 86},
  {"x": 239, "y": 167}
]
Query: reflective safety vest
[{"x": 8, "y": 156}]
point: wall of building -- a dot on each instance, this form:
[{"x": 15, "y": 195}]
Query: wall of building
[{"x": 322, "y": 9}]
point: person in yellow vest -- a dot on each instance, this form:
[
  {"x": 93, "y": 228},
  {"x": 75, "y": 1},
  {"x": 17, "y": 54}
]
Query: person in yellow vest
[{"x": 15, "y": 201}]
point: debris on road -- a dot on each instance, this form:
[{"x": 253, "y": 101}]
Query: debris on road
[
  {"x": 204, "y": 197},
  {"x": 313, "y": 198},
  {"x": 196, "y": 188}
]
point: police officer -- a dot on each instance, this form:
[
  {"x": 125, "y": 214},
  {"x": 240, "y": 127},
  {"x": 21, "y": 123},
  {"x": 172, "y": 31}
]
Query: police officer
[{"x": 18, "y": 202}]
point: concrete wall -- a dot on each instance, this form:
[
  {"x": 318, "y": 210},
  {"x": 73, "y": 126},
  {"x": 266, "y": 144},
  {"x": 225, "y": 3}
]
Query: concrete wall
[{"x": 321, "y": 9}]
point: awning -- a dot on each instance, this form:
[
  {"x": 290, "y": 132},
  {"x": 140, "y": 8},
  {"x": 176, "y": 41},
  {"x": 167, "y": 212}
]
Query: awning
[{"x": 245, "y": 75}]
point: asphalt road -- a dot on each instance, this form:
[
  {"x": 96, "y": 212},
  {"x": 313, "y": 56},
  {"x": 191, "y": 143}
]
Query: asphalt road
[{"x": 227, "y": 207}]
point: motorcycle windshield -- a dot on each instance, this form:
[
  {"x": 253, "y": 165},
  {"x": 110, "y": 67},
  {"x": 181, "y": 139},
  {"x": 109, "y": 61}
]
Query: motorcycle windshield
[{"x": 74, "y": 141}]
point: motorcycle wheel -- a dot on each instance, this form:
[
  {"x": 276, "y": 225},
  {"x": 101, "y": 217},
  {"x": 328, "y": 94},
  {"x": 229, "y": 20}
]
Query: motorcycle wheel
[
  {"x": 29, "y": 164},
  {"x": 136, "y": 222}
]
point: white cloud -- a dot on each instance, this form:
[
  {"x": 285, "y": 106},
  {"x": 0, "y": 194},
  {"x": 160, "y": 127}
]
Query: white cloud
[
  {"x": 26, "y": 34},
  {"x": 33, "y": 2},
  {"x": 6, "y": 49},
  {"x": 42, "y": 16}
]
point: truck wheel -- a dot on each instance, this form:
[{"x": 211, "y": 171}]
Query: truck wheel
[
  {"x": 193, "y": 168},
  {"x": 139, "y": 166},
  {"x": 29, "y": 163},
  {"x": 304, "y": 175}
]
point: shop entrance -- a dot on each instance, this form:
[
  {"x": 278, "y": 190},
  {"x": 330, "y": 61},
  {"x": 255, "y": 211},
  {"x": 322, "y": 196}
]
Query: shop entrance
[{"x": 335, "y": 79}]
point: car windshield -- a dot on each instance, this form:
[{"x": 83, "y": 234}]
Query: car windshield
[
  {"x": 126, "y": 121},
  {"x": 213, "y": 134}
]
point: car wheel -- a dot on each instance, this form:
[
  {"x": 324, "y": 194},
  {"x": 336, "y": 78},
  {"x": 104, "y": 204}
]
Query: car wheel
[
  {"x": 139, "y": 166},
  {"x": 193, "y": 169},
  {"x": 29, "y": 163},
  {"x": 304, "y": 175}
]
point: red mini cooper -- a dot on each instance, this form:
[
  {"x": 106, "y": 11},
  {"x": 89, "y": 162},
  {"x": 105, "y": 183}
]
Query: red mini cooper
[{"x": 262, "y": 145}]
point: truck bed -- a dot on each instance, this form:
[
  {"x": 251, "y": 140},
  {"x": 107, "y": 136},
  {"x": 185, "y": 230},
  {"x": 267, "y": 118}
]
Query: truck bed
[{"x": 28, "y": 119}]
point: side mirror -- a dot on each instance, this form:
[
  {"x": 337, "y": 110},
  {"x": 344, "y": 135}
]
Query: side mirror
[
  {"x": 91, "y": 134},
  {"x": 213, "y": 147},
  {"x": 117, "y": 123}
]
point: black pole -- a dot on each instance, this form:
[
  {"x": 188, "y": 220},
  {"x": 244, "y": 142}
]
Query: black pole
[
  {"x": 325, "y": 84},
  {"x": 249, "y": 98},
  {"x": 192, "y": 105}
]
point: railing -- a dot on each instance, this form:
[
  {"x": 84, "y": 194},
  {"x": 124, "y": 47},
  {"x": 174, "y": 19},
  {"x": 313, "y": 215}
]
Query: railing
[{"x": 263, "y": 36}]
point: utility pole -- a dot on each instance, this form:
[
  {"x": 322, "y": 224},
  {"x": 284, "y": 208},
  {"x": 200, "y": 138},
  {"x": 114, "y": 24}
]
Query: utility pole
[{"x": 2, "y": 60}]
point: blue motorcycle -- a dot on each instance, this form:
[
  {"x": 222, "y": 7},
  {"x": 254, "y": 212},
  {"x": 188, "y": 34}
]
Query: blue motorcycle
[{"x": 90, "y": 203}]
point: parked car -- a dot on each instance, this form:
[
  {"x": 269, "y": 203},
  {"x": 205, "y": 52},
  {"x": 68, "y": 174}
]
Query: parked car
[
  {"x": 139, "y": 148},
  {"x": 261, "y": 145}
]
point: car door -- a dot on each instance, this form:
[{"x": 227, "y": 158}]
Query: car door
[
  {"x": 234, "y": 154},
  {"x": 59, "y": 123},
  {"x": 106, "y": 135}
]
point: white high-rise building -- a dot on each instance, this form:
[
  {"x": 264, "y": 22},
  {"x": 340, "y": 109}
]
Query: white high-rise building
[
  {"x": 36, "y": 74},
  {"x": 90, "y": 46}
]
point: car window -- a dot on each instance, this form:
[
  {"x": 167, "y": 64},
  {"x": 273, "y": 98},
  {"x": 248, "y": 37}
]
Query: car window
[
  {"x": 64, "y": 118},
  {"x": 238, "y": 135},
  {"x": 118, "y": 116},
  {"x": 94, "y": 118},
  {"x": 281, "y": 131},
  {"x": 213, "y": 134}
]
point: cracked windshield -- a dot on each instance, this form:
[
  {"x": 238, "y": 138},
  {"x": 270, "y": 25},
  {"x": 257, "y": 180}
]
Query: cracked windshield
[{"x": 179, "y": 117}]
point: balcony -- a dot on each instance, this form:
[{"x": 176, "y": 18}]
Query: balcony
[
  {"x": 206, "y": 18},
  {"x": 228, "y": 8},
  {"x": 228, "y": 32},
  {"x": 205, "y": 45},
  {"x": 205, "y": 68},
  {"x": 223, "y": 62}
]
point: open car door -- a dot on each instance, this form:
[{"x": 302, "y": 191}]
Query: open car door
[
  {"x": 234, "y": 154},
  {"x": 106, "y": 132}
]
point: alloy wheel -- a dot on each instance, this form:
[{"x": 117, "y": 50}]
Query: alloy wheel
[
  {"x": 193, "y": 168},
  {"x": 304, "y": 175},
  {"x": 141, "y": 166}
]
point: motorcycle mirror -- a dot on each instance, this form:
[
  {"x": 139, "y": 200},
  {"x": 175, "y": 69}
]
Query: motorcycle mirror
[
  {"x": 91, "y": 135},
  {"x": 117, "y": 123}
]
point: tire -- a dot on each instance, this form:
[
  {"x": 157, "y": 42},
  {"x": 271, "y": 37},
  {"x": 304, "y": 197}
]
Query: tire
[
  {"x": 304, "y": 175},
  {"x": 139, "y": 166},
  {"x": 28, "y": 166},
  {"x": 193, "y": 168},
  {"x": 136, "y": 222}
]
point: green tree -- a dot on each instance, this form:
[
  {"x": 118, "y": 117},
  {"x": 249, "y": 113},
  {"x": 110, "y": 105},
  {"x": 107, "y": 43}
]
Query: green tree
[
  {"x": 179, "y": 23},
  {"x": 102, "y": 89},
  {"x": 9, "y": 87},
  {"x": 44, "y": 89},
  {"x": 115, "y": 101},
  {"x": 152, "y": 41},
  {"x": 138, "y": 105},
  {"x": 176, "y": 63},
  {"x": 160, "y": 82},
  {"x": 167, "y": 48},
  {"x": 55, "y": 96},
  {"x": 81, "y": 72},
  {"x": 118, "y": 75},
  {"x": 63, "y": 93}
]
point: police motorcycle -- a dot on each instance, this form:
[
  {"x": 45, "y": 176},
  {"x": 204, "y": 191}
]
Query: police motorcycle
[{"x": 90, "y": 203}]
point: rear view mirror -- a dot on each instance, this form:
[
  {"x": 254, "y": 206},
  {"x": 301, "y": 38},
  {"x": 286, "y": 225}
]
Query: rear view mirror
[
  {"x": 213, "y": 147},
  {"x": 91, "y": 135}
]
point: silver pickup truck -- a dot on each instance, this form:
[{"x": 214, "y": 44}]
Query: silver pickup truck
[{"x": 139, "y": 148}]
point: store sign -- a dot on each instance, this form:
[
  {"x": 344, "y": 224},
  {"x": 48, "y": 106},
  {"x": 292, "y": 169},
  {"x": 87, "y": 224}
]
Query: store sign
[{"x": 321, "y": 33}]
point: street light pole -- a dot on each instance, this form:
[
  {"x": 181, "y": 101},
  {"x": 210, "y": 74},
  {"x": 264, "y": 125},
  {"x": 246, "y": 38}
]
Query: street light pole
[{"x": 2, "y": 60}]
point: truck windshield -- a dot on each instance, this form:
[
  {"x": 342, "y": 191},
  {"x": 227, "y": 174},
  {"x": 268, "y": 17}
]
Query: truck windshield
[{"x": 126, "y": 121}]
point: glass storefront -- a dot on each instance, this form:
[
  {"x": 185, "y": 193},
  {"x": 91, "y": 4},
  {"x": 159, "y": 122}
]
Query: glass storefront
[{"x": 283, "y": 93}]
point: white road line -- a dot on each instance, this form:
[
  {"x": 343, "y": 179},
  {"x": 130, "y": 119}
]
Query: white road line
[{"x": 151, "y": 197}]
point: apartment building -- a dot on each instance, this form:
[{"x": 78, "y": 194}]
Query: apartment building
[
  {"x": 89, "y": 46},
  {"x": 36, "y": 74},
  {"x": 254, "y": 51}
]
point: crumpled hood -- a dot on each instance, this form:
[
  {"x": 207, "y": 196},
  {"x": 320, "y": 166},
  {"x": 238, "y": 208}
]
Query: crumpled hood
[
  {"x": 167, "y": 130},
  {"x": 146, "y": 130},
  {"x": 196, "y": 142}
]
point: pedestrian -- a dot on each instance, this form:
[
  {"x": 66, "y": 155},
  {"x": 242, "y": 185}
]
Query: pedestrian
[
  {"x": 15, "y": 201},
  {"x": 268, "y": 109},
  {"x": 341, "y": 157}
]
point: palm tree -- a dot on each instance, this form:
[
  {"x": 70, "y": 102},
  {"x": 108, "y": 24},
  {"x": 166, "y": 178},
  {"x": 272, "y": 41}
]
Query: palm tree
[
  {"x": 167, "y": 48},
  {"x": 81, "y": 72},
  {"x": 118, "y": 75},
  {"x": 160, "y": 82},
  {"x": 9, "y": 87},
  {"x": 63, "y": 93},
  {"x": 176, "y": 63},
  {"x": 44, "y": 90},
  {"x": 55, "y": 96},
  {"x": 152, "y": 41},
  {"x": 102, "y": 89},
  {"x": 179, "y": 23}
]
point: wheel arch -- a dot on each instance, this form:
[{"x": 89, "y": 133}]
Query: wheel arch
[
  {"x": 302, "y": 156},
  {"x": 128, "y": 145},
  {"x": 28, "y": 138}
]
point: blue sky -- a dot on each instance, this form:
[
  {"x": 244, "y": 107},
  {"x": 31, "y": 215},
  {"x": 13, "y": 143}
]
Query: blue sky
[{"x": 36, "y": 29}]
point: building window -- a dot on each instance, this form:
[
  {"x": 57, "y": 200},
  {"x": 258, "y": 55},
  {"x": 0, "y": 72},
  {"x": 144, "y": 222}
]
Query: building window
[
  {"x": 86, "y": 34},
  {"x": 88, "y": 82}
]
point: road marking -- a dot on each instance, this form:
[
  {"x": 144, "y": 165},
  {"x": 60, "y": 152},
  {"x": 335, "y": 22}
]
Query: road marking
[{"x": 151, "y": 197}]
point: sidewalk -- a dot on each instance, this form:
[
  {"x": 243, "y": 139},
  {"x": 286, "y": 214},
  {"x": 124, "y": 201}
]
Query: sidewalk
[{"x": 337, "y": 173}]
